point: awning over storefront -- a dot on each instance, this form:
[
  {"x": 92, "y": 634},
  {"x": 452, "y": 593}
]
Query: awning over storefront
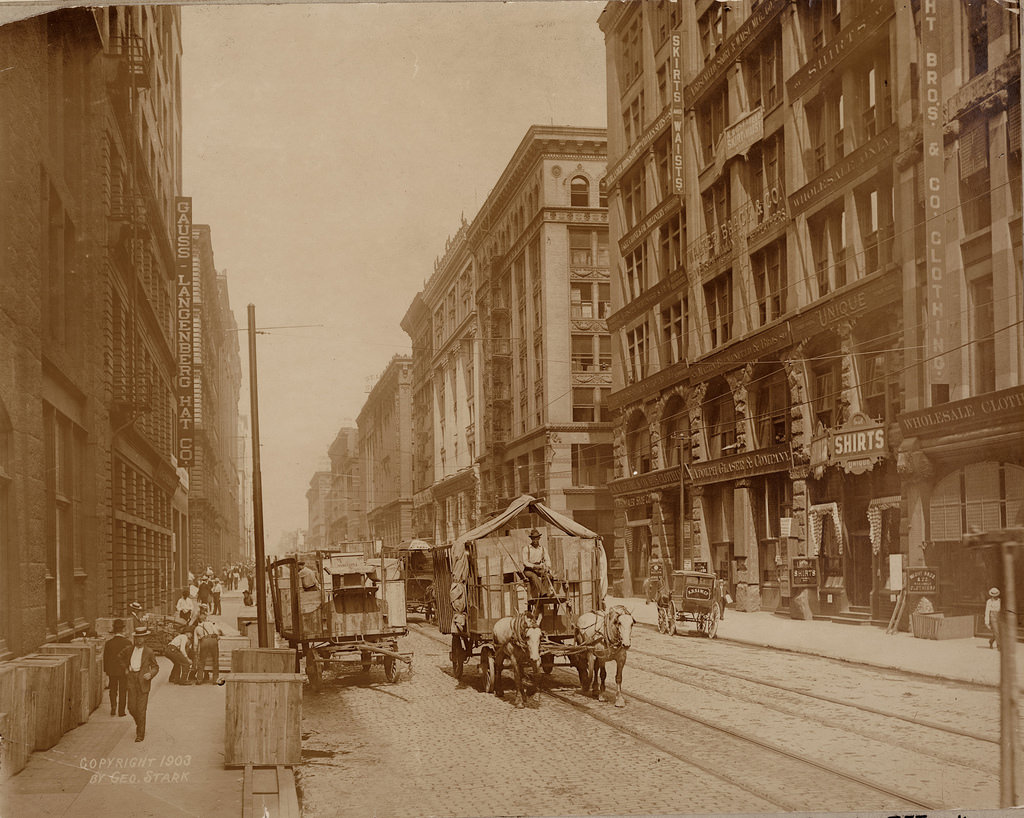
[
  {"x": 816, "y": 515},
  {"x": 875, "y": 508}
]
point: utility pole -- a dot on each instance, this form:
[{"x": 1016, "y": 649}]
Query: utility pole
[{"x": 257, "y": 490}]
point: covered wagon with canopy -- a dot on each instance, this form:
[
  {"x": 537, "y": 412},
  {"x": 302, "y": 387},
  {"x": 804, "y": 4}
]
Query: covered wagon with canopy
[{"x": 479, "y": 579}]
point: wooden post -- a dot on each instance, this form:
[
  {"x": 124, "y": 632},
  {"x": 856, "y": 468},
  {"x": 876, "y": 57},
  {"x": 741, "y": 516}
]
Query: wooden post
[
  {"x": 257, "y": 489},
  {"x": 1008, "y": 684}
]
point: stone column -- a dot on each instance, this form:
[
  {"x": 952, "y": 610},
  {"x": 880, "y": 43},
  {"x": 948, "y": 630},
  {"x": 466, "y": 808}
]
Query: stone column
[
  {"x": 803, "y": 601},
  {"x": 748, "y": 572}
]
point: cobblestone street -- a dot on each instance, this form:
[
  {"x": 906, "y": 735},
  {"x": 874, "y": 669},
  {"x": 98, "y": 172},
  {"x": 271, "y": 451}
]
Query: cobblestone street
[{"x": 431, "y": 745}]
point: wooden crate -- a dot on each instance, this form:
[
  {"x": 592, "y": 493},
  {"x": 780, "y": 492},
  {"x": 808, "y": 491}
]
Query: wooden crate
[
  {"x": 227, "y": 645},
  {"x": 89, "y": 680},
  {"x": 940, "y": 626},
  {"x": 263, "y": 660},
  {"x": 16, "y": 703},
  {"x": 263, "y": 719},
  {"x": 71, "y": 665},
  {"x": 97, "y": 644},
  {"x": 45, "y": 679}
]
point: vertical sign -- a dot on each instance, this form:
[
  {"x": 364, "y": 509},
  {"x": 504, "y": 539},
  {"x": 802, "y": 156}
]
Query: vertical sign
[
  {"x": 675, "y": 68},
  {"x": 183, "y": 332},
  {"x": 933, "y": 164}
]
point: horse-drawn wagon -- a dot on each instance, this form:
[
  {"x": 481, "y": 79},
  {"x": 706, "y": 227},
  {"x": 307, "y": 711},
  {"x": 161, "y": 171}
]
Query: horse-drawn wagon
[
  {"x": 417, "y": 570},
  {"x": 480, "y": 579},
  {"x": 694, "y": 596},
  {"x": 341, "y": 607}
]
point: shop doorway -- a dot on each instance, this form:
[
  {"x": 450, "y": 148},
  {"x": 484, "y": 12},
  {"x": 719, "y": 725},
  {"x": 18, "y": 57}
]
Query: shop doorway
[{"x": 858, "y": 569}]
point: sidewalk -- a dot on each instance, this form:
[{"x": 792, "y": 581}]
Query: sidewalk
[
  {"x": 98, "y": 769},
  {"x": 963, "y": 660}
]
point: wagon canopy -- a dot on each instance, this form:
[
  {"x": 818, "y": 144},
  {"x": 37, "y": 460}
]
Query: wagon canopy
[
  {"x": 414, "y": 545},
  {"x": 525, "y": 502}
]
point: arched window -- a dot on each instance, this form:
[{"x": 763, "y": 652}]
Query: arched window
[
  {"x": 579, "y": 192},
  {"x": 638, "y": 444}
]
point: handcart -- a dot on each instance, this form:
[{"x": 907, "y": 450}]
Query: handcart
[{"x": 354, "y": 614}]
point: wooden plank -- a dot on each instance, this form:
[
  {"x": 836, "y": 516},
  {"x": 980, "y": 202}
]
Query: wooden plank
[
  {"x": 247, "y": 793},
  {"x": 264, "y": 780},
  {"x": 226, "y": 645},
  {"x": 20, "y": 729},
  {"x": 288, "y": 796},
  {"x": 262, "y": 660}
]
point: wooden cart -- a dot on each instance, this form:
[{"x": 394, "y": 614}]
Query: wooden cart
[
  {"x": 694, "y": 596},
  {"x": 479, "y": 579},
  {"x": 355, "y": 614},
  {"x": 416, "y": 566}
]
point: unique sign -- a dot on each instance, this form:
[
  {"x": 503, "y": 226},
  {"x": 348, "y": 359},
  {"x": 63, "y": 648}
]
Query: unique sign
[
  {"x": 825, "y": 184},
  {"x": 746, "y": 36},
  {"x": 840, "y": 47},
  {"x": 675, "y": 78},
  {"x": 184, "y": 333},
  {"x": 933, "y": 161},
  {"x": 988, "y": 410},
  {"x": 869, "y": 293},
  {"x": 748, "y": 464},
  {"x": 922, "y": 580},
  {"x": 804, "y": 573}
]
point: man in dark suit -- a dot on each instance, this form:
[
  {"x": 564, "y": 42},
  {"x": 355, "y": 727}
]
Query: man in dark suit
[
  {"x": 141, "y": 666},
  {"x": 115, "y": 671}
]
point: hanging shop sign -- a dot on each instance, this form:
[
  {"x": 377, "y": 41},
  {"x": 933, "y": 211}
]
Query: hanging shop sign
[
  {"x": 804, "y": 573},
  {"x": 739, "y": 137},
  {"x": 184, "y": 330},
  {"x": 748, "y": 464},
  {"x": 992, "y": 409},
  {"x": 922, "y": 580},
  {"x": 858, "y": 444}
]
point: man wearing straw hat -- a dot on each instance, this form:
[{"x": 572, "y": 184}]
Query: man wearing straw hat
[
  {"x": 992, "y": 607},
  {"x": 140, "y": 664}
]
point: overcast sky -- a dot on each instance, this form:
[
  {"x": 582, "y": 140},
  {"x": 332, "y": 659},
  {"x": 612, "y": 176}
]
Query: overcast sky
[{"x": 332, "y": 149}]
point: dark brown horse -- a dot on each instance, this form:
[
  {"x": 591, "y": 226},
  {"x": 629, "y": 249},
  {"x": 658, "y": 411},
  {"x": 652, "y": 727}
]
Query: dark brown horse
[
  {"x": 607, "y": 635},
  {"x": 517, "y": 637}
]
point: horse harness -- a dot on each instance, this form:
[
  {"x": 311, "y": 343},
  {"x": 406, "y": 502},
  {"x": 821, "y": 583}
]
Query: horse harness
[
  {"x": 521, "y": 623},
  {"x": 612, "y": 634}
]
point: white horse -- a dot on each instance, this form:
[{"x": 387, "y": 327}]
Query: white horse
[
  {"x": 607, "y": 636},
  {"x": 517, "y": 637}
]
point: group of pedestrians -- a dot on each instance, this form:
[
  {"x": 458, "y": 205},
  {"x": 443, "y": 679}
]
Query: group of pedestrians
[{"x": 236, "y": 575}]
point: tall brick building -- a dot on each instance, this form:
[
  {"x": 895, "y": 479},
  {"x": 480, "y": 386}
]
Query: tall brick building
[
  {"x": 791, "y": 378},
  {"x": 93, "y": 501}
]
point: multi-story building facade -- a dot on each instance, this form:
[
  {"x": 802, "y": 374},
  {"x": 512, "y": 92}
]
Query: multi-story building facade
[
  {"x": 345, "y": 519},
  {"x": 90, "y": 166},
  {"x": 386, "y": 453},
  {"x": 778, "y": 342},
  {"x": 318, "y": 502},
  {"x": 512, "y": 358},
  {"x": 214, "y": 492}
]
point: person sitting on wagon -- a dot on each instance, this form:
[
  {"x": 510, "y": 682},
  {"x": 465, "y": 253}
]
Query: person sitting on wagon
[
  {"x": 537, "y": 566},
  {"x": 307, "y": 578}
]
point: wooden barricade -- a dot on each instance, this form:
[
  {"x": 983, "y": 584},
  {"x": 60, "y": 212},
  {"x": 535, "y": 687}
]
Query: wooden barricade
[
  {"x": 17, "y": 706},
  {"x": 262, "y": 660},
  {"x": 44, "y": 678},
  {"x": 227, "y": 645},
  {"x": 86, "y": 675},
  {"x": 263, "y": 719}
]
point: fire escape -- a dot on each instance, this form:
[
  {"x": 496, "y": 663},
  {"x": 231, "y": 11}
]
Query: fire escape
[{"x": 498, "y": 378}]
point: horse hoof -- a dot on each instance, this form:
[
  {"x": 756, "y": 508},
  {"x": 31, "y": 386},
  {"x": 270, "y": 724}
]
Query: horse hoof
[{"x": 620, "y": 702}]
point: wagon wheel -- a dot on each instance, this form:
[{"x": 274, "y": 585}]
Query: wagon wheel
[
  {"x": 390, "y": 668},
  {"x": 711, "y": 628},
  {"x": 487, "y": 668},
  {"x": 313, "y": 670},
  {"x": 673, "y": 625},
  {"x": 367, "y": 660},
  {"x": 458, "y": 658},
  {"x": 547, "y": 662}
]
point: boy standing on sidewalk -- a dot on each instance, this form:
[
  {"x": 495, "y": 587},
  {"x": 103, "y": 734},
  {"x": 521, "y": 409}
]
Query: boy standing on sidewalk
[
  {"x": 993, "y": 605},
  {"x": 115, "y": 669}
]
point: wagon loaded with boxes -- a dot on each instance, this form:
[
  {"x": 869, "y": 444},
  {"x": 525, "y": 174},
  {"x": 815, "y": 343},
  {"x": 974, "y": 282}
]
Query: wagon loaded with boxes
[
  {"x": 479, "y": 579},
  {"x": 354, "y": 614}
]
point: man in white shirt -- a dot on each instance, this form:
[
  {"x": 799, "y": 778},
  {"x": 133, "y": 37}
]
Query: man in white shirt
[
  {"x": 537, "y": 566},
  {"x": 179, "y": 652},
  {"x": 142, "y": 668},
  {"x": 205, "y": 647}
]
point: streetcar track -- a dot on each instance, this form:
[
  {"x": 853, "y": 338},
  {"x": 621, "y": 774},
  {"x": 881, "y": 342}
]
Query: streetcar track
[
  {"x": 736, "y": 734},
  {"x": 821, "y": 697}
]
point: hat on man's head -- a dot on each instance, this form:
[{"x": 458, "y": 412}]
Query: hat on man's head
[
  {"x": 993, "y": 592},
  {"x": 135, "y": 606},
  {"x": 204, "y": 608},
  {"x": 535, "y": 534},
  {"x": 141, "y": 632}
]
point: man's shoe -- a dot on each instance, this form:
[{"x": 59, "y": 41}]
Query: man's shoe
[
  {"x": 112, "y": 711},
  {"x": 122, "y": 714},
  {"x": 138, "y": 738}
]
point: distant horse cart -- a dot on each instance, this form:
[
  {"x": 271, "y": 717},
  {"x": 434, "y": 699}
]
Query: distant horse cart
[
  {"x": 483, "y": 596},
  {"x": 694, "y": 596},
  {"x": 417, "y": 570},
  {"x": 354, "y": 614}
]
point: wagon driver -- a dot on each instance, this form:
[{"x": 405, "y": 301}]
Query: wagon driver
[
  {"x": 307, "y": 578},
  {"x": 537, "y": 565}
]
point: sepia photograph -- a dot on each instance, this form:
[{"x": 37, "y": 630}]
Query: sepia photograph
[{"x": 527, "y": 408}]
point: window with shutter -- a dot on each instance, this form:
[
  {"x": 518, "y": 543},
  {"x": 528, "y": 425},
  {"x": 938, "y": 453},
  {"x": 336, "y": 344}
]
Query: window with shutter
[{"x": 973, "y": 148}]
